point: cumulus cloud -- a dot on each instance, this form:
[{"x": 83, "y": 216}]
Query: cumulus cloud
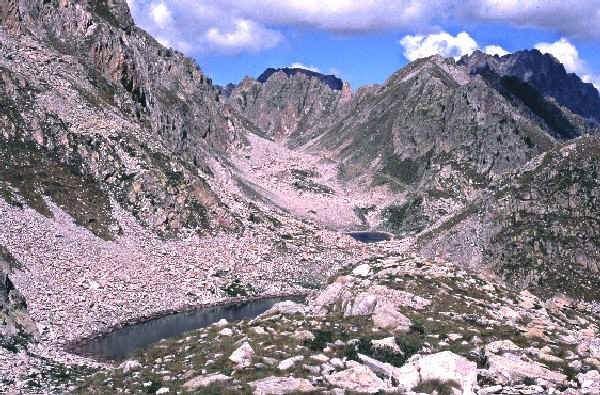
[
  {"x": 572, "y": 18},
  {"x": 299, "y": 65},
  {"x": 495, "y": 50},
  {"x": 245, "y": 35},
  {"x": 189, "y": 21},
  {"x": 200, "y": 27},
  {"x": 160, "y": 13},
  {"x": 419, "y": 46},
  {"x": 339, "y": 15}
]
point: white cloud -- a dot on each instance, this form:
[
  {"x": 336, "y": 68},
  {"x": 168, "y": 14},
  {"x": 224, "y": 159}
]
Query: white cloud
[
  {"x": 161, "y": 14},
  {"x": 444, "y": 44},
  {"x": 201, "y": 27},
  {"x": 571, "y": 18},
  {"x": 246, "y": 35},
  {"x": 338, "y": 15},
  {"x": 299, "y": 65},
  {"x": 495, "y": 50},
  {"x": 565, "y": 52},
  {"x": 420, "y": 46}
]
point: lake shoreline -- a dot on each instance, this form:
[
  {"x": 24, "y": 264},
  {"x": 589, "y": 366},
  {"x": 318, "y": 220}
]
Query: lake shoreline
[{"x": 74, "y": 347}]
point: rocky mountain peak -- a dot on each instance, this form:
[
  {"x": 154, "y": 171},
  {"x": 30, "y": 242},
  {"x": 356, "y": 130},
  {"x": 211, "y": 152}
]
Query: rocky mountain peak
[
  {"x": 289, "y": 101},
  {"x": 331, "y": 81},
  {"x": 543, "y": 72},
  {"x": 444, "y": 69}
]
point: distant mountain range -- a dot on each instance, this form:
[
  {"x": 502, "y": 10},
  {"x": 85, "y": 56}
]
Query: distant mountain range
[{"x": 331, "y": 81}]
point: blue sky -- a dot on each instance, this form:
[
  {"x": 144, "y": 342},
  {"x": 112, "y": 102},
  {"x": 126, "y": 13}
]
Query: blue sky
[{"x": 365, "y": 41}]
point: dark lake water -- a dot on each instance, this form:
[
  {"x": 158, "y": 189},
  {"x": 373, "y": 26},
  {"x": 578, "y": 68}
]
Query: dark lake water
[
  {"x": 123, "y": 342},
  {"x": 370, "y": 237}
]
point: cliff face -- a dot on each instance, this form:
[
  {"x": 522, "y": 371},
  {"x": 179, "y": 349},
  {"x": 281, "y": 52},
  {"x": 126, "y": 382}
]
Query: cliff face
[
  {"x": 536, "y": 226},
  {"x": 282, "y": 103},
  {"x": 333, "y": 82},
  {"x": 86, "y": 90},
  {"x": 545, "y": 224},
  {"x": 545, "y": 73}
]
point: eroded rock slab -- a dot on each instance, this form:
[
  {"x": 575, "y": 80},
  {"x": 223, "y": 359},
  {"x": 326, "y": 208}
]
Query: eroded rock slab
[{"x": 280, "y": 385}]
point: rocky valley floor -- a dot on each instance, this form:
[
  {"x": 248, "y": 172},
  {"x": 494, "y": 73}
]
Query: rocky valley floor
[{"x": 79, "y": 286}]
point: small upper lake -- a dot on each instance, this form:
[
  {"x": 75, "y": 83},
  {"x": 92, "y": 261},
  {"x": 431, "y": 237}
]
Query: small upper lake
[
  {"x": 123, "y": 342},
  {"x": 371, "y": 237}
]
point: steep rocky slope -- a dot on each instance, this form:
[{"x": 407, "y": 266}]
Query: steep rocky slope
[
  {"x": 101, "y": 103},
  {"x": 537, "y": 227},
  {"x": 394, "y": 324},
  {"x": 432, "y": 136},
  {"x": 545, "y": 73}
]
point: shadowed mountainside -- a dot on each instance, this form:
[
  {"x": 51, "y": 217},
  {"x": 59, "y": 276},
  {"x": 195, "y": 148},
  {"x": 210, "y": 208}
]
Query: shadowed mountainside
[{"x": 543, "y": 72}]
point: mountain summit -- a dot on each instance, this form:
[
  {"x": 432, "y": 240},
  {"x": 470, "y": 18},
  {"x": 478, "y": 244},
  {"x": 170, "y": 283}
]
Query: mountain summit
[{"x": 331, "y": 81}]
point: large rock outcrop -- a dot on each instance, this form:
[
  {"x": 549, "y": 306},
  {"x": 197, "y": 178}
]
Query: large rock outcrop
[{"x": 15, "y": 323}]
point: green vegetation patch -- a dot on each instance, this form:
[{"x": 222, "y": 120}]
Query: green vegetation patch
[
  {"x": 408, "y": 170},
  {"x": 35, "y": 172},
  {"x": 406, "y": 218}
]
